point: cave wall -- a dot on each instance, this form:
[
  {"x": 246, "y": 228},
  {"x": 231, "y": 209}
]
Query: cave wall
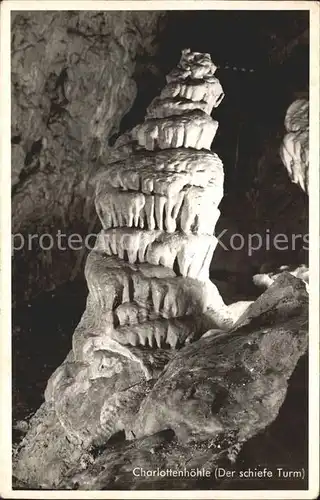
[{"x": 73, "y": 80}]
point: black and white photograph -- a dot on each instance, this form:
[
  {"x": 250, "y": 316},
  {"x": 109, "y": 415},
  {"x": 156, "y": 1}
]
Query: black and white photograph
[{"x": 160, "y": 249}]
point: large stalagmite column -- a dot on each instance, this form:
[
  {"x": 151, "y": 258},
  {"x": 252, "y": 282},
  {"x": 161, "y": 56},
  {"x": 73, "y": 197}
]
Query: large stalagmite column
[{"x": 148, "y": 275}]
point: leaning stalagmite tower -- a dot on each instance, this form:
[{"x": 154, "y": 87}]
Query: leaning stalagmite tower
[{"x": 148, "y": 275}]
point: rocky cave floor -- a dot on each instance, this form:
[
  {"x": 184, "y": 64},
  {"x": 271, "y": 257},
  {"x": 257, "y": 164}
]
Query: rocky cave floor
[{"x": 42, "y": 333}]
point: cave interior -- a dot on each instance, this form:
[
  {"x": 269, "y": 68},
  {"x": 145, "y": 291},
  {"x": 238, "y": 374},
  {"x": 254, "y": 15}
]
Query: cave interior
[{"x": 263, "y": 65}]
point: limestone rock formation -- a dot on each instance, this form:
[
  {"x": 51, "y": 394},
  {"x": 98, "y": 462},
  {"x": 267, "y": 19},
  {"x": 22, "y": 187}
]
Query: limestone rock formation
[
  {"x": 200, "y": 402},
  {"x": 267, "y": 277},
  {"x": 148, "y": 275},
  {"x": 212, "y": 397},
  {"x": 156, "y": 348},
  {"x": 295, "y": 148},
  {"x": 73, "y": 80}
]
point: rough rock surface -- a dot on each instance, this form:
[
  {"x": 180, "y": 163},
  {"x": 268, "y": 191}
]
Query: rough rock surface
[
  {"x": 212, "y": 397},
  {"x": 266, "y": 277},
  {"x": 72, "y": 82},
  {"x": 206, "y": 399}
]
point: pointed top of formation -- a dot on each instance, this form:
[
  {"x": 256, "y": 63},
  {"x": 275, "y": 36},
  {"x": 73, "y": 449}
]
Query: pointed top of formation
[
  {"x": 181, "y": 115},
  {"x": 193, "y": 65}
]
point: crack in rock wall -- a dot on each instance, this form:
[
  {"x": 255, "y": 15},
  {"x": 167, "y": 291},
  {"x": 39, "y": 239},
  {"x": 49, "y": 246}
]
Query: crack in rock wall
[{"x": 72, "y": 82}]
